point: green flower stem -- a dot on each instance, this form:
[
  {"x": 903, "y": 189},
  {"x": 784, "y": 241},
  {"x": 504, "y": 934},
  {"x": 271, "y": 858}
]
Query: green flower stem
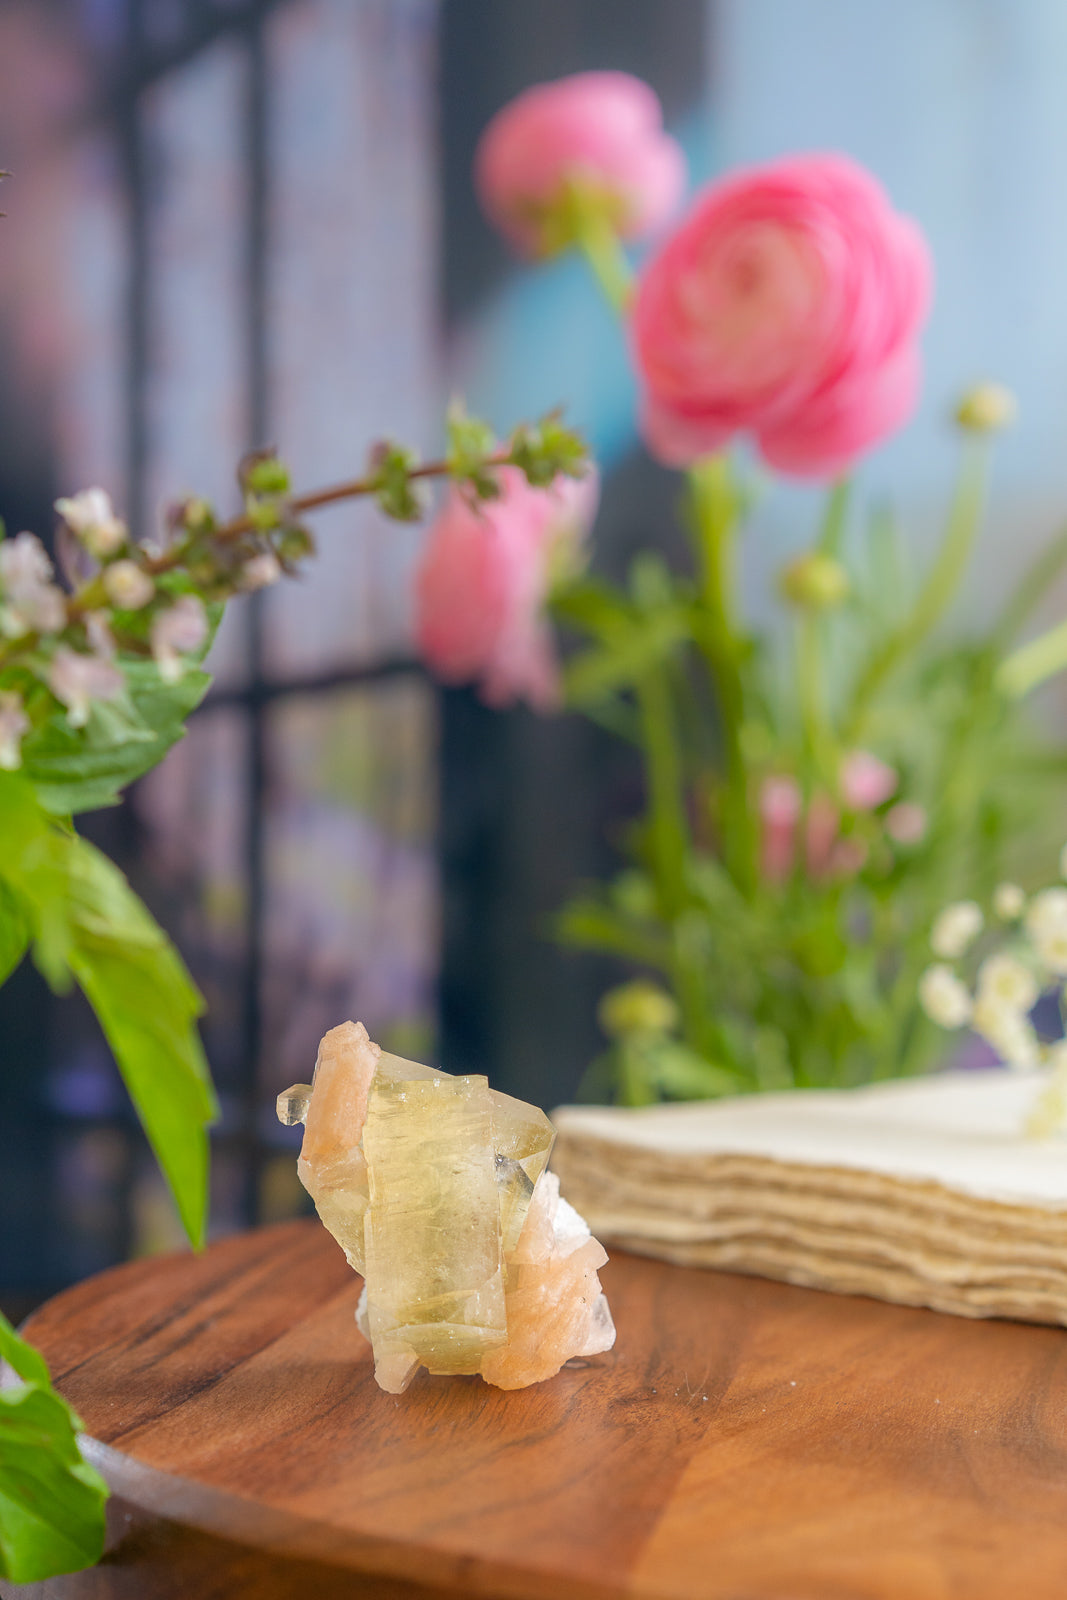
[
  {"x": 835, "y": 518},
  {"x": 602, "y": 249},
  {"x": 668, "y": 838},
  {"x": 819, "y": 741},
  {"x": 715, "y": 518},
  {"x": 1033, "y": 663},
  {"x": 667, "y": 822},
  {"x": 941, "y": 584}
]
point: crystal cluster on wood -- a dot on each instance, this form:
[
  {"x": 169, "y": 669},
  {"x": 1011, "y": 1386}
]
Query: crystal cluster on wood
[{"x": 436, "y": 1189}]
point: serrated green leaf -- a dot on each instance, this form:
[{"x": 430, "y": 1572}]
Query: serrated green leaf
[
  {"x": 146, "y": 1004},
  {"x": 86, "y": 920},
  {"x": 51, "y": 1499},
  {"x": 82, "y": 769}
]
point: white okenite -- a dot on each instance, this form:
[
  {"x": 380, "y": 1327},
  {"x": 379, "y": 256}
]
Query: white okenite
[
  {"x": 955, "y": 928},
  {"x": 944, "y": 998}
]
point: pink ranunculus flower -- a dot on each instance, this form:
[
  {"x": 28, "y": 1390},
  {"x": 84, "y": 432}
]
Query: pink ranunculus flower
[
  {"x": 865, "y": 781},
  {"x": 482, "y": 582},
  {"x": 600, "y": 130},
  {"x": 786, "y": 305}
]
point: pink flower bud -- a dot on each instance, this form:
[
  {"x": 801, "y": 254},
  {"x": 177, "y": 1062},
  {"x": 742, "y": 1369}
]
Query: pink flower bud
[
  {"x": 906, "y": 822},
  {"x": 787, "y": 305},
  {"x": 178, "y": 631},
  {"x": 820, "y": 831},
  {"x": 780, "y": 806},
  {"x": 866, "y": 782},
  {"x": 600, "y": 131},
  {"x": 483, "y": 579}
]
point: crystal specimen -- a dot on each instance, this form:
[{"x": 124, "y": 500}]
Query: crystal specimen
[{"x": 435, "y": 1187}]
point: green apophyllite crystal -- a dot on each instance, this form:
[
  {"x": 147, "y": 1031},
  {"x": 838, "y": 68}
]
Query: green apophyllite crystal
[{"x": 435, "y": 1187}]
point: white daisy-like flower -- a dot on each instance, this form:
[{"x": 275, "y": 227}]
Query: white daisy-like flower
[
  {"x": 1007, "y": 1030},
  {"x": 1008, "y": 901},
  {"x": 955, "y": 928},
  {"x": 1003, "y": 978},
  {"x": 944, "y": 998},
  {"x": 1050, "y": 947},
  {"x": 1047, "y": 913}
]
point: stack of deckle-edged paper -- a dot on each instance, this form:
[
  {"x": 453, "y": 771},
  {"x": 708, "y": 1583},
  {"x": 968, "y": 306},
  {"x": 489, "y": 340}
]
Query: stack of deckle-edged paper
[{"x": 925, "y": 1191}]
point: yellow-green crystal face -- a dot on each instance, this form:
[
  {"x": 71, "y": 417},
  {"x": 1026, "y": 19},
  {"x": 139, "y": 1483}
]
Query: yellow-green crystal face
[
  {"x": 426, "y": 1181},
  {"x": 435, "y": 1267}
]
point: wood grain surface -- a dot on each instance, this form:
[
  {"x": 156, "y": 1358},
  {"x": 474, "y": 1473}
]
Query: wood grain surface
[{"x": 744, "y": 1441}]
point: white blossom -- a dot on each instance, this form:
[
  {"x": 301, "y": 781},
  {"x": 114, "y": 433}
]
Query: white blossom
[
  {"x": 176, "y": 632},
  {"x": 31, "y": 601},
  {"x": 1050, "y": 946},
  {"x": 1050, "y": 1109},
  {"x": 101, "y": 642},
  {"x": 13, "y": 724},
  {"x": 259, "y": 571},
  {"x": 956, "y": 927},
  {"x": 1007, "y": 1030},
  {"x": 1047, "y": 913},
  {"x": 944, "y": 998},
  {"x": 1008, "y": 901},
  {"x": 127, "y": 585},
  {"x": 78, "y": 679},
  {"x": 1004, "y": 979},
  {"x": 89, "y": 515}
]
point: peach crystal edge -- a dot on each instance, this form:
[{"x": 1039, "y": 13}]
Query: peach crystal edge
[{"x": 436, "y": 1189}]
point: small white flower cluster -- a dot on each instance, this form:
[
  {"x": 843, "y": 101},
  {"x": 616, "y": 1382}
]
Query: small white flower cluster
[
  {"x": 72, "y": 649},
  {"x": 1007, "y": 983}
]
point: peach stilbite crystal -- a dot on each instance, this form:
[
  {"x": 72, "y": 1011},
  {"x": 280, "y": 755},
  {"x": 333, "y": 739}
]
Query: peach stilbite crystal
[{"x": 435, "y": 1187}]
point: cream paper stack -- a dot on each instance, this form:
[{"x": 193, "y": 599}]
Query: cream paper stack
[{"x": 923, "y": 1191}]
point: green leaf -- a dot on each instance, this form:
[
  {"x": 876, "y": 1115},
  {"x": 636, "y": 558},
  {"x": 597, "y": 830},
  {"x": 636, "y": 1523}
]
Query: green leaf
[
  {"x": 87, "y": 921},
  {"x": 14, "y": 933},
  {"x": 51, "y": 1499},
  {"x": 82, "y": 769},
  {"x": 626, "y": 658},
  {"x": 146, "y": 1004}
]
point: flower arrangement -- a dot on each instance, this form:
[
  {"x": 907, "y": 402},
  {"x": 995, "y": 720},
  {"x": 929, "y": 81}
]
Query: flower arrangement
[{"x": 803, "y": 822}]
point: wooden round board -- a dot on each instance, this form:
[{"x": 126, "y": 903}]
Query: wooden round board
[{"x": 744, "y": 1441}]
